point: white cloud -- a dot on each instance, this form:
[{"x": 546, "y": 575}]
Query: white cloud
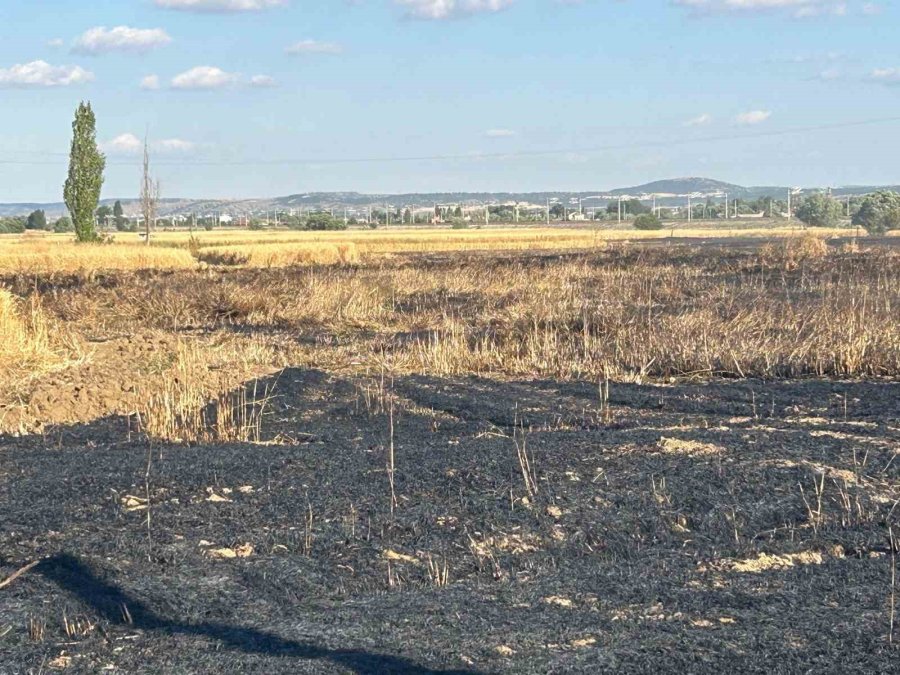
[
  {"x": 830, "y": 74},
  {"x": 871, "y": 9},
  {"x": 56, "y": 43},
  {"x": 151, "y": 82},
  {"x": 220, "y": 5},
  {"x": 753, "y": 117},
  {"x": 449, "y": 9},
  {"x": 699, "y": 120},
  {"x": 124, "y": 144},
  {"x": 263, "y": 81},
  {"x": 499, "y": 133},
  {"x": 203, "y": 77},
  {"x": 886, "y": 75},
  {"x": 100, "y": 40},
  {"x": 314, "y": 47},
  {"x": 130, "y": 144},
  {"x": 42, "y": 74}
]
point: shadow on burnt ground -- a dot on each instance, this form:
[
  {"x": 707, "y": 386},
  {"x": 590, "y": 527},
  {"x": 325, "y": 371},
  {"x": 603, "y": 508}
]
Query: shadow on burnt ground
[
  {"x": 624, "y": 521},
  {"x": 537, "y": 401},
  {"x": 111, "y": 603}
]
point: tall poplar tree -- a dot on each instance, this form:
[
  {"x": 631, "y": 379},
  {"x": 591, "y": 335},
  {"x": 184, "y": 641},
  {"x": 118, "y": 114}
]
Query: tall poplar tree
[{"x": 86, "y": 164}]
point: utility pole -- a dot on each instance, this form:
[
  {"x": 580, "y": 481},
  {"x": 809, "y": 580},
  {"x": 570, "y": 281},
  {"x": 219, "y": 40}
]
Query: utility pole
[
  {"x": 790, "y": 194},
  {"x": 726, "y": 206},
  {"x": 620, "y": 209},
  {"x": 690, "y": 210},
  {"x": 548, "y": 211}
]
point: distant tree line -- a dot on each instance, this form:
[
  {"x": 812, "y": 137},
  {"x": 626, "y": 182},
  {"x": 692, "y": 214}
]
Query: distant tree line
[
  {"x": 876, "y": 213},
  {"x": 314, "y": 221}
]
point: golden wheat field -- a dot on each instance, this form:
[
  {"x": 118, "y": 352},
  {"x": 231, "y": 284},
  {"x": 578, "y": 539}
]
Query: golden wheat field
[{"x": 183, "y": 250}]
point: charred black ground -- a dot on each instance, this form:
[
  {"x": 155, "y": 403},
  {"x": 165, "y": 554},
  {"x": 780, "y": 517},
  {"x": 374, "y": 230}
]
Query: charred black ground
[{"x": 735, "y": 525}]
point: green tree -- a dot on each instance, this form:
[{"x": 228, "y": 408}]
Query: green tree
[
  {"x": 636, "y": 207},
  {"x": 85, "y": 180},
  {"x": 37, "y": 220},
  {"x": 647, "y": 221},
  {"x": 820, "y": 210},
  {"x": 104, "y": 213},
  {"x": 14, "y": 225},
  {"x": 63, "y": 224},
  {"x": 633, "y": 207},
  {"x": 324, "y": 221},
  {"x": 119, "y": 215},
  {"x": 879, "y": 212}
]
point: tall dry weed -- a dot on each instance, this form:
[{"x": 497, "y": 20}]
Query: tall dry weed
[{"x": 26, "y": 345}]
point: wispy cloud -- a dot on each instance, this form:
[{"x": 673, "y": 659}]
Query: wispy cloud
[
  {"x": 123, "y": 144},
  {"x": 886, "y": 75},
  {"x": 435, "y": 10},
  {"x": 314, "y": 47},
  {"x": 800, "y": 9},
  {"x": 752, "y": 117},
  {"x": 56, "y": 43},
  {"x": 699, "y": 120},
  {"x": 204, "y": 77},
  {"x": 42, "y": 74},
  {"x": 150, "y": 82},
  {"x": 263, "y": 81},
  {"x": 101, "y": 40},
  {"x": 220, "y": 5},
  {"x": 499, "y": 133},
  {"x": 130, "y": 144},
  {"x": 174, "y": 145}
]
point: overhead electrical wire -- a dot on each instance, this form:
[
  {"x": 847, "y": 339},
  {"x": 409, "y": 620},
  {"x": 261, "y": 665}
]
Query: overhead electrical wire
[{"x": 477, "y": 156}]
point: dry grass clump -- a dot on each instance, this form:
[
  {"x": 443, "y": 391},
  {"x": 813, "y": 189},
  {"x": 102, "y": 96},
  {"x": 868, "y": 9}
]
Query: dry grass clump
[
  {"x": 183, "y": 410},
  {"x": 797, "y": 249},
  {"x": 26, "y": 347},
  {"x": 281, "y": 254}
]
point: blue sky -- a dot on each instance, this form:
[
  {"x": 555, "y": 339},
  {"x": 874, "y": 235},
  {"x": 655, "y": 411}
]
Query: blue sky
[{"x": 245, "y": 98}]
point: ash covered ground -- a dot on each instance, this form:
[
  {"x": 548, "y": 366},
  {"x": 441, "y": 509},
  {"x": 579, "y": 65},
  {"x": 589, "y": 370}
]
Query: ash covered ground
[{"x": 680, "y": 528}]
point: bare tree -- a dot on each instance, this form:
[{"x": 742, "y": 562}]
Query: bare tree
[{"x": 149, "y": 194}]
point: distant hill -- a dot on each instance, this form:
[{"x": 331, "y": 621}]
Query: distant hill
[
  {"x": 357, "y": 200},
  {"x": 678, "y": 186}
]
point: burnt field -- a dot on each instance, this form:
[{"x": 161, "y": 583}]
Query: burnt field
[{"x": 633, "y": 461}]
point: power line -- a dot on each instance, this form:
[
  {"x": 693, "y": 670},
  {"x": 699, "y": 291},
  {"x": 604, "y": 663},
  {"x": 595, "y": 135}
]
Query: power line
[{"x": 481, "y": 156}]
